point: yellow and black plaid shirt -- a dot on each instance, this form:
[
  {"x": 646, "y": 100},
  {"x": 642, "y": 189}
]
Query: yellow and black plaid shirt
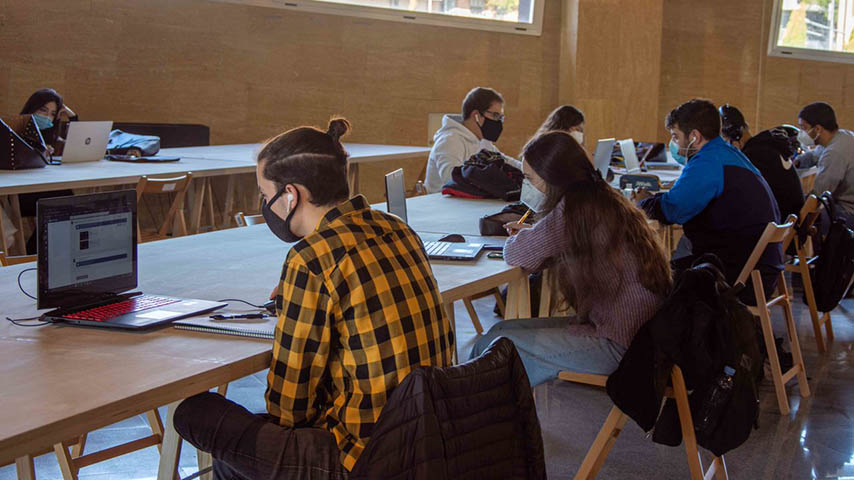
[{"x": 358, "y": 310}]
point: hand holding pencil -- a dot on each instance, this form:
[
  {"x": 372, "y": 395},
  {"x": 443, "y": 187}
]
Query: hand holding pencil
[{"x": 514, "y": 227}]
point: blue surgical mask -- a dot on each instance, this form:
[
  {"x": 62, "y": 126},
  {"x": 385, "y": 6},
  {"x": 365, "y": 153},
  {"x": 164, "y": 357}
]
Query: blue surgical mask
[
  {"x": 532, "y": 197},
  {"x": 42, "y": 121},
  {"x": 674, "y": 152}
]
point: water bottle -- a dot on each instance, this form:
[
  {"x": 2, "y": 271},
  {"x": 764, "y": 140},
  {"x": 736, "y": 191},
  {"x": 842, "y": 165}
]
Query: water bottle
[
  {"x": 627, "y": 192},
  {"x": 715, "y": 402}
]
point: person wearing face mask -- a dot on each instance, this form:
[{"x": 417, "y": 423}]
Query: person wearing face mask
[
  {"x": 358, "y": 309},
  {"x": 833, "y": 153},
  {"x": 771, "y": 152},
  {"x": 605, "y": 256},
  {"x": 720, "y": 199},
  {"x": 565, "y": 118},
  {"x": 462, "y": 136},
  {"x": 47, "y": 109}
]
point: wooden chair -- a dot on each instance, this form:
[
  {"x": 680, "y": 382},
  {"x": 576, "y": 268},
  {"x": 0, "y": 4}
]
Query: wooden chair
[
  {"x": 801, "y": 264},
  {"x": 616, "y": 420},
  {"x": 776, "y": 234},
  {"x": 808, "y": 179},
  {"x": 6, "y": 261},
  {"x": 163, "y": 186},
  {"x": 246, "y": 220}
]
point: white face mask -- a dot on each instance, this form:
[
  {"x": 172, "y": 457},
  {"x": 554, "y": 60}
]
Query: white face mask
[
  {"x": 578, "y": 136},
  {"x": 805, "y": 139},
  {"x": 532, "y": 197}
]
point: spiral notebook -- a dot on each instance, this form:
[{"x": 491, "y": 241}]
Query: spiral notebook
[{"x": 261, "y": 328}]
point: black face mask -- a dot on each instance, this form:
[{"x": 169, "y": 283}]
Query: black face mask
[
  {"x": 280, "y": 228},
  {"x": 491, "y": 129}
]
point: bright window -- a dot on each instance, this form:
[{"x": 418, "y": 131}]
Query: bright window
[
  {"x": 813, "y": 29},
  {"x": 514, "y": 16}
]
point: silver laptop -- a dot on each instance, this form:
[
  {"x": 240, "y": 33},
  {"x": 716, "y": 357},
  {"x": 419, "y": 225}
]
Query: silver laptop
[
  {"x": 87, "y": 265},
  {"x": 602, "y": 157},
  {"x": 630, "y": 156},
  {"x": 396, "y": 201},
  {"x": 86, "y": 141}
]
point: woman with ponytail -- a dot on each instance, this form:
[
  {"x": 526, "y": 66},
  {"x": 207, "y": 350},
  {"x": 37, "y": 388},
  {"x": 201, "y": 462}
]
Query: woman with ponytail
[{"x": 603, "y": 255}]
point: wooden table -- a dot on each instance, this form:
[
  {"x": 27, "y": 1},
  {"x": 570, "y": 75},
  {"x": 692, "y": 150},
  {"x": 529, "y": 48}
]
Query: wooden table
[
  {"x": 204, "y": 162},
  {"x": 60, "y": 382}
]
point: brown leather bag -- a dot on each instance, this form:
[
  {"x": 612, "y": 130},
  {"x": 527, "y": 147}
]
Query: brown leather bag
[{"x": 21, "y": 143}]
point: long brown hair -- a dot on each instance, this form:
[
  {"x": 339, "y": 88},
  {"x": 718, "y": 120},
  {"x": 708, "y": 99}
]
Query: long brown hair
[
  {"x": 602, "y": 227},
  {"x": 563, "y": 117}
]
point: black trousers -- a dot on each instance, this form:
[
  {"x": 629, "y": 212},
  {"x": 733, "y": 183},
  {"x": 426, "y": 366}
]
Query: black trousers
[{"x": 246, "y": 446}]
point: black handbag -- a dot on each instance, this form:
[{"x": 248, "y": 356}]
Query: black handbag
[
  {"x": 835, "y": 265},
  {"x": 21, "y": 144}
]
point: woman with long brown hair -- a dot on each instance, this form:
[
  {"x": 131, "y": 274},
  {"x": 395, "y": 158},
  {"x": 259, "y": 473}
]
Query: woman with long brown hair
[{"x": 605, "y": 258}]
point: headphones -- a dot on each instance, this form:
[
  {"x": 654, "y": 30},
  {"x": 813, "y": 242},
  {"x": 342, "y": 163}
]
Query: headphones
[{"x": 732, "y": 128}]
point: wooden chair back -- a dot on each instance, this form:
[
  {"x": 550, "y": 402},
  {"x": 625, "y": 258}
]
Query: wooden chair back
[
  {"x": 773, "y": 233},
  {"x": 162, "y": 186},
  {"x": 808, "y": 179},
  {"x": 807, "y": 217},
  {"x": 246, "y": 220},
  {"x": 6, "y": 261}
]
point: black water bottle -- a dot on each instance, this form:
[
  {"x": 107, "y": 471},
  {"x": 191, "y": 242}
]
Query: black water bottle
[{"x": 715, "y": 402}]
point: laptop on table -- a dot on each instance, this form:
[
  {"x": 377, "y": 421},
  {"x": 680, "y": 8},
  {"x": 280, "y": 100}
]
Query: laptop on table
[
  {"x": 630, "y": 156},
  {"x": 602, "y": 157},
  {"x": 86, "y": 142},
  {"x": 395, "y": 193},
  {"x": 87, "y": 265}
]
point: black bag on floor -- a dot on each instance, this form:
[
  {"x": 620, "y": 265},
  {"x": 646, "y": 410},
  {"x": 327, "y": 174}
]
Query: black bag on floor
[{"x": 835, "y": 265}]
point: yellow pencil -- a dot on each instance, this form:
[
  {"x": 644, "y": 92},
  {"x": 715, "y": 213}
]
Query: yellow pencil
[{"x": 524, "y": 217}]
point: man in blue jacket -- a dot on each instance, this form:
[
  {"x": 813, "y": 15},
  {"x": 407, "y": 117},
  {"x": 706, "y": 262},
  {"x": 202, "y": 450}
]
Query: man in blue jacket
[{"x": 721, "y": 199}]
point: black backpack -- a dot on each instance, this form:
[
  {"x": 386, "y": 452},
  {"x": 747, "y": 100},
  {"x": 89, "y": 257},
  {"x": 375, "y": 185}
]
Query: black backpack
[
  {"x": 835, "y": 265},
  {"x": 485, "y": 175}
]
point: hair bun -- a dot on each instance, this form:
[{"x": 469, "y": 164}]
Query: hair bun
[{"x": 338, "y": 127}]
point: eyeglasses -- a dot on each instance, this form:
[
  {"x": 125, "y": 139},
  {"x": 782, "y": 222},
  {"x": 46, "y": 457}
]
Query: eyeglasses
[{"x": 494, "y": 116}]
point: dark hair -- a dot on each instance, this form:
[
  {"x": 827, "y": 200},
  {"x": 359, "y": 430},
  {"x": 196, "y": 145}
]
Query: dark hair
[
  {"x": 39, "y": 99},
  {"x": 562, "y": 118},
  {"x": 697, "y": 114},
  {"x": 312, "y": 158},
  {"x": 820, "y": 113},
  {"x": 602, "y": 227},
  {"x": 479, "y": 99},
  {"x": 732, "y": 122}
]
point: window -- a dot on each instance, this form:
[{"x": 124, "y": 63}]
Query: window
[
  {"x": 813, "y": 29},
  {"x": 513, "y": 16}
]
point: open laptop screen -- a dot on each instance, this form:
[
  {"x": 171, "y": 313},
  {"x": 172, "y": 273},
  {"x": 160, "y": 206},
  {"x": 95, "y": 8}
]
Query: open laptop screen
[
  {"x": 395, "y": 193},
  {"x": 86, "y": 248}
]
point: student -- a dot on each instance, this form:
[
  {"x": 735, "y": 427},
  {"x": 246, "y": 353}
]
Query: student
[
  {"x": 833, "y": 153},
  {"x": 771, "y": 152},
  {"x": 358, "y": 307},
  {"x": 721, "y": 199},
  {"x": 608, "y": 264},
  {"x": 47, "y": 109},
  {"x": 565, "y": 118},
  {"x": 461, "y": 137}
]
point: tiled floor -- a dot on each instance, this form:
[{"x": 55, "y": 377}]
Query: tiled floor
[{"x": 816, "y": 441}]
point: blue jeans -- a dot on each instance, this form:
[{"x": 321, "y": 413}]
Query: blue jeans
[{"x": 547, "y": 347}]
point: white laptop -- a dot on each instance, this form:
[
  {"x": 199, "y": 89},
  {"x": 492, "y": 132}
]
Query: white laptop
[
  {"x": 86, "y": 141},
  {"x": 630, "y": 156},
  {"x": 395, "y": 193},
  {"x": 602, "y": 157}
]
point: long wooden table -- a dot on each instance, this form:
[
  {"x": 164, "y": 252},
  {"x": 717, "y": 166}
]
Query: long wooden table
[
  {"x": 204, "y": 162},
  {"x": 60, "y": 381}
]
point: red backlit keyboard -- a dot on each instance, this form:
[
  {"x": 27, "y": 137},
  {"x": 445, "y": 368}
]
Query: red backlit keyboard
[{"x": 113, "y": 310}]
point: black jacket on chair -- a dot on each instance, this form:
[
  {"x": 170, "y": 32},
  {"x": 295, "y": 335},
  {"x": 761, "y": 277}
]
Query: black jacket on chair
[
  {"x": 701, "y": 328},
  {"x": 472, "y": 421}
]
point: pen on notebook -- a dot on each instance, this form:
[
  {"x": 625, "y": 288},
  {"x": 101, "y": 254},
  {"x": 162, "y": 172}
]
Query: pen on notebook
[{"x": 242, "y": 316}]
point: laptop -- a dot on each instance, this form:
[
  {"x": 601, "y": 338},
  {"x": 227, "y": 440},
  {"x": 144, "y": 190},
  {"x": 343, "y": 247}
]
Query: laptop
[
  {"x": 396, "y": 201},
  {"x": 602, "y": 157},
  {"x": 86, "y": 141},
  {"x": 630, "y": 156},
  {"x": 87, "y": 265}
]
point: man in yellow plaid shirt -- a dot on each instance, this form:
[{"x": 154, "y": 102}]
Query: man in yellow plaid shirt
[{"x": 358, "y": 309}]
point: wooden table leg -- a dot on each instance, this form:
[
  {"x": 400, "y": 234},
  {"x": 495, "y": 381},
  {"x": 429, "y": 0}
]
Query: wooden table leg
[
  {"x": 15, "y": 216},
  {"x": 353, "y": 178},
  {"x": 449, "y": 311},
  {"x": 229, "y": 201},
  {"x": 198, "y": 187},
  {"x": 171, "y": 449},
  {"x": 518, "y": 299},
  {"x": 25, "y": 467}
]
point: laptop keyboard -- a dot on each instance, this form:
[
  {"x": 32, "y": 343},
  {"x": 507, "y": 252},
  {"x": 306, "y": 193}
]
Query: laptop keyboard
[
  {"x": 113, "y": 310},
  {"x": 436, "y": 248}
]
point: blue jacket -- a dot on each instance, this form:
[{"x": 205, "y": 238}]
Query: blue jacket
[{"x": 723, "y": 205}]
